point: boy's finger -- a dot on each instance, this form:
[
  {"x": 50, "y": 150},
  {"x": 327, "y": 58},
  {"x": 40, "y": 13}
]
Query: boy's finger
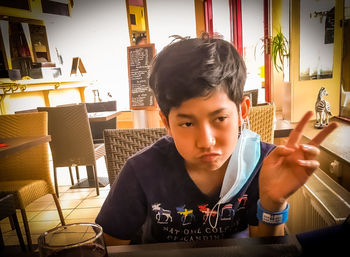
[
  {"x": 317, "y": 140},
  {"x": 310, "y": 151},
  {"x": 282, "y": 150},
  {"x": 296, "y": 133},
  {"x": 309, "y": 165}
]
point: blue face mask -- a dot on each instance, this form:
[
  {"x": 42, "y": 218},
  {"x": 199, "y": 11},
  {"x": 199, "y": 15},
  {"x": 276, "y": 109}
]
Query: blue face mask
[{"x": 241, "y": 165}]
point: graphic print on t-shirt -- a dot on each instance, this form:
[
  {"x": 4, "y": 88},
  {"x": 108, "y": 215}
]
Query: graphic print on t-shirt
[
  {"x": 227, "y": 212},
  {"x": 162, "y": 216},
  {"x": 207, "y": 212},
  {"x": 200, "y": 222},
  {"x": 187, "y": 215}
]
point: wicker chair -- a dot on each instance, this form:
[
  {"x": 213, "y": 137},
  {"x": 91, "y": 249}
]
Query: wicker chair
[
  {"x": 8, "y": 210},
  {"x": 71, "y": 140},
  {"x": 122, "y": 143},
  {"x": 26, "y": 174},
  {"x": 261, "y": 121}
]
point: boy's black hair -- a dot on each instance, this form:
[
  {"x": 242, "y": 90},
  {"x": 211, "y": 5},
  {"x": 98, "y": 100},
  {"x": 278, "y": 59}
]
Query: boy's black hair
[{"x": 196, "y": 67}]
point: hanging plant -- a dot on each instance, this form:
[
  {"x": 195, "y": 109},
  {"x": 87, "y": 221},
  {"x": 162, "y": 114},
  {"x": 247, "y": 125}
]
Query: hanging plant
[{"x": 280, "y": 50}]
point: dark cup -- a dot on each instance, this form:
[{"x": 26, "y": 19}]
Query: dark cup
[{"x": 76, "y": 240}]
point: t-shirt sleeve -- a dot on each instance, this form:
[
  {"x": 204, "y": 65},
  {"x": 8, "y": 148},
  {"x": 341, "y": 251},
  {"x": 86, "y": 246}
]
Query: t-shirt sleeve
[{"x": 124, "y": 210}]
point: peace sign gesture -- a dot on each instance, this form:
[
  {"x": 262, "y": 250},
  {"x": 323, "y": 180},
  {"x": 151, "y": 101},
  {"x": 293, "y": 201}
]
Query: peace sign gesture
[{"x": 289, "y": 166}]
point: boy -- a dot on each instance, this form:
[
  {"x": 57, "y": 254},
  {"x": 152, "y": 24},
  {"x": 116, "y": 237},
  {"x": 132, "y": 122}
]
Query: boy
[{"x": 203, "y": 181}]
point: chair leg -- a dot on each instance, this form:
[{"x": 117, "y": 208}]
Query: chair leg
[
  {"x": 26, "y": 229},
  {"x": 96, "y": 180},
  {"x": 55, "y": 180},
  {"x": 77, "y": 172},
  {"x": 19, "y": 233},
  {"x": 11, "y": 223},
  {"x": 2, "y": 245},
  {"x": 71, "y": 175},
  {"x": 58, "y": 206}
]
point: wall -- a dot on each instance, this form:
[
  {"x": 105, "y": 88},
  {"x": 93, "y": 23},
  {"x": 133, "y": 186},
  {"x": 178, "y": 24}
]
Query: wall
[
  {"x": 221, "y": 18},
  {"x": 166, "y": 18},
  {"x": 307, "y": 90},
  {"x": 97, "y": 32}
]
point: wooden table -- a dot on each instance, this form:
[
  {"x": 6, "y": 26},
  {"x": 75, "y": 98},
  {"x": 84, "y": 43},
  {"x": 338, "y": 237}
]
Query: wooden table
[
  {"x": 102, "y": 116},
  {"x": 336, "y": 143},
  {"x": 17, "y": 144},
  {"x": 244, "y": 247},
  {"x": 265, "y": 246},
  {"x": 282, "y": 128}
]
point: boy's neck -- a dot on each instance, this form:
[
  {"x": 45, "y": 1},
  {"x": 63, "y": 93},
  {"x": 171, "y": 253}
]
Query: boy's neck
[{"x": 208, "y": 181}]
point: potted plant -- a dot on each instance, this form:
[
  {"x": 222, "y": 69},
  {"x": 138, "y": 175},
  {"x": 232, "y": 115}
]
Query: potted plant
[
  {"x": 279, "y": 54},
  {"x": 279, "y": 50}
]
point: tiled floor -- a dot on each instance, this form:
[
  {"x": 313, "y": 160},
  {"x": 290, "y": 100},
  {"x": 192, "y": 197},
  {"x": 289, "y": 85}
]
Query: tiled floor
[{"x": 78, "y": 205}]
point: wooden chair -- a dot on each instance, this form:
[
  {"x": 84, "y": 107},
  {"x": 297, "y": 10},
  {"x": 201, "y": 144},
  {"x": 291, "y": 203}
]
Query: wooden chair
[
  {"x": 71, "y": 140},
  {"x": 261, "y": 120},
  {"x": 122, "y": 143},
  {"x": 98, "y": 127},
  {"x": 26, "y": 174}
]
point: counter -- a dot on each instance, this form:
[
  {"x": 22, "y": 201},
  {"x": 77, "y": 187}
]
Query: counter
[{"x": 28, "y": 94}]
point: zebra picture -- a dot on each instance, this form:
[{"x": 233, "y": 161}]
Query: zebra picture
[{"x": 322, "y": 109}]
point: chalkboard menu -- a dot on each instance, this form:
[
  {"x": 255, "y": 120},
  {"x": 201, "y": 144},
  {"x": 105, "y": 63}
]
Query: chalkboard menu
[{"x": 139, "y": 59}]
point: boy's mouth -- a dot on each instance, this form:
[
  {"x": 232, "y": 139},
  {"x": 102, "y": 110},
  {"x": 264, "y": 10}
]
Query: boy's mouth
[{"x": 209, "y": 157}]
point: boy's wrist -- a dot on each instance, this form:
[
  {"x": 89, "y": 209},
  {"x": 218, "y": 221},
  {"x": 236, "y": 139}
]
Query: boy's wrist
[
  {"x": 272, "y": 218},
  {"x": 271, "y": 205}
]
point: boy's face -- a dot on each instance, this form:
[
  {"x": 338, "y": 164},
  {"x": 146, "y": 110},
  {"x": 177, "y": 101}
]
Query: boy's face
[{"x": 205, "y": 130}]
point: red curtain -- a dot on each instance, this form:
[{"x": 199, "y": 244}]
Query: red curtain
[
  {"x": 208, "y": 16},
  {"x": 236, "y": 24}
]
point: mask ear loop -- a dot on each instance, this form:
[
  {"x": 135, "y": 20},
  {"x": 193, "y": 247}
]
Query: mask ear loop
[
  {"x": 217, "y": 205},
  {"x": 244, "y": 122}
]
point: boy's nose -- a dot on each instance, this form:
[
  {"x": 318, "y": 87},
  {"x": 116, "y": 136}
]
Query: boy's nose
[{"x": 205, "y": 138}]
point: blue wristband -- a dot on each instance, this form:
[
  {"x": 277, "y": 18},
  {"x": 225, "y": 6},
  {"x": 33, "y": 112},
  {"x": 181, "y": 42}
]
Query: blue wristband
[{"x": 272, "y": 218}]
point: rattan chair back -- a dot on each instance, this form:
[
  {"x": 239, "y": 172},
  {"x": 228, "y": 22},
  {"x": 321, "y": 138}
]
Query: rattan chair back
[
  {"x": 122, "y": 143},
  {"x": 71, "y": 140},
  {"x": 26, "y": 174},
  {"x": 261, "y": 120},
  {"x": 31, "y": 164}
]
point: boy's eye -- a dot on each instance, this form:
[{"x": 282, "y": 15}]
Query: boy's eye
[
  {"x": 221, "y": 119},
  {"x": 186, "y": 124}
]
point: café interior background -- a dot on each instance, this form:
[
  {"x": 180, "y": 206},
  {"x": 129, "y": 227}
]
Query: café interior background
[{"x": 99, "y": 33}]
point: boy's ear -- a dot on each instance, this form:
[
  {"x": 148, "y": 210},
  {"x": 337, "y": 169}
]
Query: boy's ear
[
  {"x": 245, "y": 105},
  {"x": 165, "y": 122}
]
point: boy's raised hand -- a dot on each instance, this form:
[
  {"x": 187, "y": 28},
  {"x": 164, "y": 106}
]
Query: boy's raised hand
[{"x": 289, "y": 166}]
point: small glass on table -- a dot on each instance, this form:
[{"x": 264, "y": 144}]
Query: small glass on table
[{"x": 76, "y": 240}]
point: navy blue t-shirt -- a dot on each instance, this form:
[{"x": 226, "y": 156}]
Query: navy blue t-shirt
[{"x": 155, "y": 194}]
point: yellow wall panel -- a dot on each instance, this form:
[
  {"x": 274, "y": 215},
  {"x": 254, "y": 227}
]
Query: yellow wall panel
[{"x": 139, "y": 13}]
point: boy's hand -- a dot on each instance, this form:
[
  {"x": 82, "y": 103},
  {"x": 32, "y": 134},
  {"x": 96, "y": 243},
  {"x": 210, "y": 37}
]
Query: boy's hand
[{"x": 289, "y": 166}]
